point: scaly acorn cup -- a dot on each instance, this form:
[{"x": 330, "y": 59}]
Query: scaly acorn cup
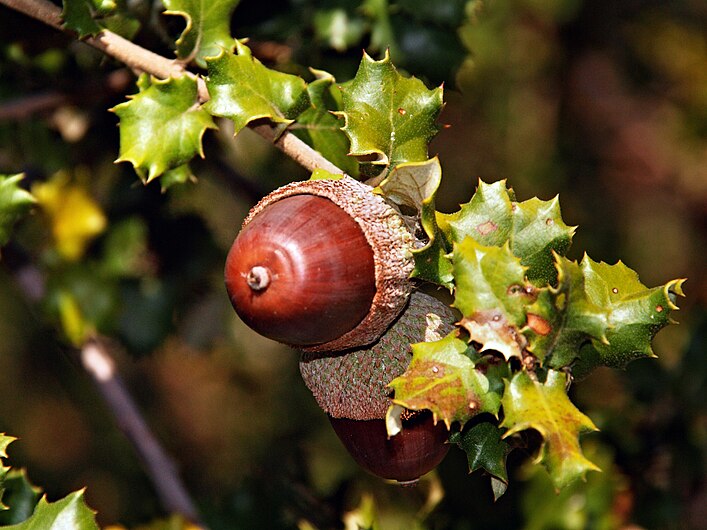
[
  {"x": 351, "y": 387},
  {"x": 321, "y": 265}
]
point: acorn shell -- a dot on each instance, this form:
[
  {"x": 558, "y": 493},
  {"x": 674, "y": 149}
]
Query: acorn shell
[
  {"x": 354, "y": 384},
  {"x": 389, "y": 239},
  {"x": 417, "y": 449}
]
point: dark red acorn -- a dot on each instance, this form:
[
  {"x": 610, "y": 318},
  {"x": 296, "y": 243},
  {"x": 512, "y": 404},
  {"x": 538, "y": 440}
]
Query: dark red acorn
[
  {"x": 322, "y": 265},
  {"x": 417, "y": 449},
  {"x": 301, "y": 272}
]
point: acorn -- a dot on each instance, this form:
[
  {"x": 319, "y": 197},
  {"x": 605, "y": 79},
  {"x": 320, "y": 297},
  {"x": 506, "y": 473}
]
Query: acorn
[
  {"x": 352, "y": 389},
  {"x": 321, "y": 265}
]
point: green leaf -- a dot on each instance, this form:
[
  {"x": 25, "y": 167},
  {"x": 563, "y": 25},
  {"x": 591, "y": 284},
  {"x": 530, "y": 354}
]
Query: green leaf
[
  {"x": 636, "y": 313},
  {"x": 320, "y": 128},
  {"x": 162, "y": 126},
  {"x": 492, "y": 294},
  {"x": 413, "y": 185},
  {"x": 4, "y": 442},
  {"x": 80, "y": 15},
  {"x": 243, "y": 90},
  {"x": 529, "y": 404},
  {"x": 71, "y": 512},
  {"x": 390, "y": 119},
  {"x": 208, "y": 27},
  {"x": 533, "y": 228},
  {"x": 14, "y": 203},
  {"x": 442, "y": 378},
  {"x": 21, "y": 497},
  {"x": 485, "y": 449},
  {"x": 563, "y": 318}
]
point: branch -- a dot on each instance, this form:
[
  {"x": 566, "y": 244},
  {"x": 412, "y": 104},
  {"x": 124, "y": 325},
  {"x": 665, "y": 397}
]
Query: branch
[
  {"x": 173, "y": 495},
  {"x": 142, "y": 60}
]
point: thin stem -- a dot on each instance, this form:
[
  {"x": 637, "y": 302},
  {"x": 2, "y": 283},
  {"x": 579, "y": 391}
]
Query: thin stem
[
  {"x": 143, "y": 60},
  {"x": 101, "y": 367}
]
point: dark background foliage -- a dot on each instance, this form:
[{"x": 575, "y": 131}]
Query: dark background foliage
[{"x": 603, "y": 102}]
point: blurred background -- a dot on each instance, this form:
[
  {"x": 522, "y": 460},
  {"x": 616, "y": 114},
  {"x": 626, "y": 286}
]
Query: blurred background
[{"x": 603, "y": 102}]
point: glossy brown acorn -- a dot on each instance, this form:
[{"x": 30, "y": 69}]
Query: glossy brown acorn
[
  {"x": 322, "y": 265},
  {"x": 417, "y": 449}
]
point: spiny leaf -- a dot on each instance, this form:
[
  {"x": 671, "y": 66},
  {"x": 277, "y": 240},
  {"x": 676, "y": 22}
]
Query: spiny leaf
[
  {"x": 161, "y": 127},
  {"x": 320, "y": 128},
  {"x": 4, "y": 442},
  {"x": 442, "y": 378},
  {"x": 492, "y": 294},
  {"x": 21, "y": 497},
  {"x": 390, "y": 119},
  {"x": 529, "y": 404},
  {"x": 243, "y": 90},
  {"x": 80, "y": 15},
  {"x": 14, "y": 203},
  {"x": 414, "y": 185},
  {"x": 563, "y": 318},
  {"x": 485, "y": 449},
  {"x": 636, "y": 313},
  {"x": 208, "y": 27},
  {"x": 533, "y": 228},
  {"x": 71, "y": 512}
]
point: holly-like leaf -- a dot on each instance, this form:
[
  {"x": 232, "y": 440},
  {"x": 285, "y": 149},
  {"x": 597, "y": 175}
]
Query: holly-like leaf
[
  {"x": 413, "y": 185},
  {"x": 390, "y": 119},
  {"x": 529, "y": 404},
  {"x": 442, "y": 379},
  {"x": 20, "y": 496},
  {"x": 492, "y": 294},
  {"x": 4, "y": 442},
  {"x": 636, "y": 313},
  {"x": 563, "y": 318},
  {"x": 161, "y": 127},
  {"x": 243, "y": 90},
  {"x": 69, "y": 512},
  {"x": 81, "y": 15},
  {"x": 208, "y": 27},
  {"x": 14, "y": 203},
  {"x": 320, "y": 128},
  {"x": 533, "y": 228},
  {"x": 90, "y": 17},
  {"x": 485, "y": 449}
]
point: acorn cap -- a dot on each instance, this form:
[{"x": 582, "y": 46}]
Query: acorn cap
[
  {"x": 389, "y": 238},
  {"x": 354, "y": 384}
]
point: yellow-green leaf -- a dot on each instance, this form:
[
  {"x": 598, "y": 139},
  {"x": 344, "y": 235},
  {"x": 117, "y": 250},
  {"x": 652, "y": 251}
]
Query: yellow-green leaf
[{"x": 545, "y": 407}]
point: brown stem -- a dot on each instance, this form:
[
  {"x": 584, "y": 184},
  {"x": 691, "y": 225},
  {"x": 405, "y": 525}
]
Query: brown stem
[
  {"x": 142, "y": 60},
  {"x": 173, "y": 495}
]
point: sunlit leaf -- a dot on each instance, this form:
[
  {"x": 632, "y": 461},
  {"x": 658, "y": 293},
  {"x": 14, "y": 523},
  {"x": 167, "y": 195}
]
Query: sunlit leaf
[
  {"x": 161, "y": 127},
  {"x": 545, "y": 407},
  {"x": 534, "y": 229},
  {"x": 80, "y": 15},
  {"x": 208, "y": 27},
  {"x": 14, "y": 203},
  {"x": 390, "y": 119},
  {"x": 492, "y": 294},
  {"x": 70, "y": 512},
  {"x": 442, "y": 379},
  {"x": 243, "y": 89},
  {"x": 563, "y": 318},
  {"x": 4, "y": 442},
  {"x": 636, "y": 313}
]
